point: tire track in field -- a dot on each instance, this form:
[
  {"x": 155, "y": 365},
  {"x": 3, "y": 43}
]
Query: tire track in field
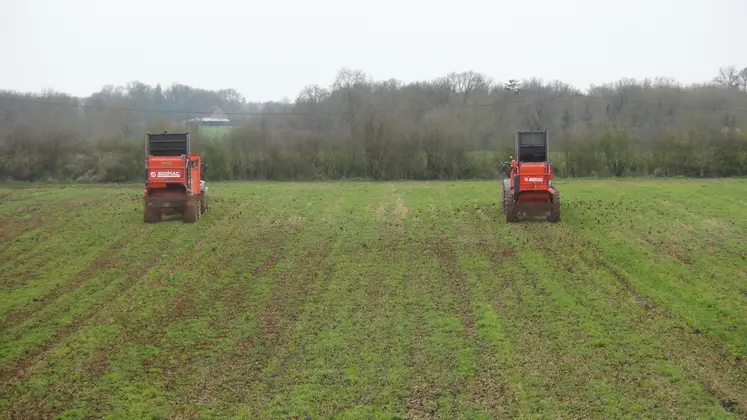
[
  {"x": 325, "y": 312},
  {"x": 706, "y": 359},
  {"x": 284, "y": 350},
  {"x": 19, "y": 369},
  {"x": 63, "y": 391},
  {"x": 540, "y": 359},
  {"x": 721, "y": 383},
  {"x": 10, "y": 230},
  {"x": 348, "y": 345},
  {"x": 202, "y": 290},
  {"x": 460, "y": 288},
  {"x": 284, "y": 305},
  {"x": 235, "y": 296},
  {"x": 422, "y": 391},
  {"x": 487, "y": 388},
  {"x": 181, "y": 307},
  {"x": 547, "y": 322},
  {"x": 199, "y": 291},
  {"x": 40, "y": 215},
  {"x": 106, "y": 259},
  {"x": 22, "y": 368},
  {"x": 233, "y": 378},
  {"x": 496, "y": 350}
]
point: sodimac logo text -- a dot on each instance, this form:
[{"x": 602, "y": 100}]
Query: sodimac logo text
[{"x": 165, "y": 174}]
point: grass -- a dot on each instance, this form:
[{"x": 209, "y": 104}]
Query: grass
[
  {"x": 376, "y": 300},
  {"x": 215, "y": 131}
]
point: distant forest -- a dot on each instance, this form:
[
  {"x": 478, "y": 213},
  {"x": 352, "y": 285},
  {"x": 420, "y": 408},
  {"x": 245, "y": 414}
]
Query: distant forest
[{"x": 458, "y": 126}]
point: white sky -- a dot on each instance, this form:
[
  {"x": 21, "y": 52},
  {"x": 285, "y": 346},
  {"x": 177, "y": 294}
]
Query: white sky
[{"x": 268, "y": 50}]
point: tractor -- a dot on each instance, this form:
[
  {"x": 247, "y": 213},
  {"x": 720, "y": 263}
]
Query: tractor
[
  {"x": 527, "y": 189},
  {"x": 175, "y": 181}
]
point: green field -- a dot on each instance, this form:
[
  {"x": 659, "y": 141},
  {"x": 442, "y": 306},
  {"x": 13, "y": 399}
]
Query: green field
[
  {"x": 376, "y": 300},
  {"x": 215, "y": 131}
]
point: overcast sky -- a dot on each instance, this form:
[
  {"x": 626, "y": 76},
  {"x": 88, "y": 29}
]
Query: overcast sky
[{"x": 269, "y": 50}]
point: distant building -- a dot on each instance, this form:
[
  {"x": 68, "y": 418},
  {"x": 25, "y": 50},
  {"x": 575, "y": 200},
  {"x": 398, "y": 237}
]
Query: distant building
[
  {"x": 209, "y": 121},
  {"x": 216, "y": 119}
]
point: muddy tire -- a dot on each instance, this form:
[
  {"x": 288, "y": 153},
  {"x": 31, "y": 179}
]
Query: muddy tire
[
  {"x": 509, "y": 208},
  {"x": 151, "y": 214},
  {"x": 554, "y": 215},
  {"x": 191, "y": 212},
  {"x": 511, "y": 215},
  {"x": 203, "y": 204}
]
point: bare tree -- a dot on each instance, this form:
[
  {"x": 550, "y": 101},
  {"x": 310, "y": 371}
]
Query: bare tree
[
  {"x": 743, "y": 79},
  {"x": 352, "y": 86},
  {"x": 389, "y": 129},
  {"x": 466, "y": 83},
  {"x": 728, "y": 77}
]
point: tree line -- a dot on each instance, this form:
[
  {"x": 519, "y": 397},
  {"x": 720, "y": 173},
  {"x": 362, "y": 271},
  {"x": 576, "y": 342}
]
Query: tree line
[{"x": 458, "y": 126}]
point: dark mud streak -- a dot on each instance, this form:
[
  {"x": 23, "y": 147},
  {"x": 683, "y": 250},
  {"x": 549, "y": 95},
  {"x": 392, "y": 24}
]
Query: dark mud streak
[
  {"x": 47, "y": 209},
  {"x": 596, "y": 261},
  {"x": 498, "y": 257},
  {"x": 669, "y": 251},
  {"x": 21, "y": 368},
  {"x": 107, "y": 259},
  {"x": 181, "y": 308},
  {"x": 725, "y": 360},
  {"x": 184, "y": 307},
  {"x": 235, "y": 295},
  {"x": 9, "y": 234},
  {"x": 461, "y": 289},
  {"x": 505, "y": 284},
  {"x": 275, "y": 255},
  {"x": 488, "y": 389},
  {"x": 285, "y": 360},
  {"x": 422, "y": 391},
  {"x": 285, "y": 303}
]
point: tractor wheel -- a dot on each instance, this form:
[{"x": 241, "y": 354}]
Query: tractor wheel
[
  {"x": 506, "y": 190},
  {"x": 509, "y": 208},
  {"x": 191, "y": 212},
  {"x": 555, "y": 209},
  {"x": 151, "y": 214},
  {"x": 511, "y": 215},
  {"x": 203, "y": 204}
]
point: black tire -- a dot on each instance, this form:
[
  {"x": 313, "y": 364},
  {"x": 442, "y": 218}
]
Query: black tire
[
  {"x": 554, "y": 216},
  {"x": 509, "y": 208},
  {"x": 503, "y": 199},
  {"x": 511, "y": 215},
  {"x": 191, "y": 212},
  {"x": 151, "y": 214},
  {"x": 203, "y": 204}
]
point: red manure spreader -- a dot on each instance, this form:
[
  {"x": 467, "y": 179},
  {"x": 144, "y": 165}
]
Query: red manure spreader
[
  {"x": 174, "y": 179},
  {"x": 528, "y": 190}
]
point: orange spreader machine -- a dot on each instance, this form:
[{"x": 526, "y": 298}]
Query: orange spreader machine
[
  {"x": 528, "y": 190},
  {"x": 175, "y": 180}
]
